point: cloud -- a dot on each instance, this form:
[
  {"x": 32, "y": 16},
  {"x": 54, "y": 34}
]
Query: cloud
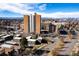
[
  {"x": 42, "y": 7},
  {"x": 25, "y": 9},
  {"x": 25, "y": 6},
  {"x": 61, "y": 14},
  {"x": 17, "y": 8}
]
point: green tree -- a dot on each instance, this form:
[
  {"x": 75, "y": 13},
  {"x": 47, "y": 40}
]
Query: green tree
[
  {"x": 61, "y": 27},
  {"x": 23, "y": 43}
]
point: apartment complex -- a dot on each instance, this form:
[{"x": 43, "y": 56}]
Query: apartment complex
[{"x": 32, "y": 23}]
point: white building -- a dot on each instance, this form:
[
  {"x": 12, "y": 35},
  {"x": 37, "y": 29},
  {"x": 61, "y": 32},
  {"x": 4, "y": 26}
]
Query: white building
[{"x": 31, "y": 42}]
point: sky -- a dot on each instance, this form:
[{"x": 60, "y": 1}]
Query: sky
[{"x": 54, "y": 10}]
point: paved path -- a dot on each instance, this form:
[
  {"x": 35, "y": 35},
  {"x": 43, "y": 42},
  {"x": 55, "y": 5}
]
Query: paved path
[
  {"x": 50, "y": 46},
  {"x": 68, "y": 47},
  {"x": 65, "y": 51}
]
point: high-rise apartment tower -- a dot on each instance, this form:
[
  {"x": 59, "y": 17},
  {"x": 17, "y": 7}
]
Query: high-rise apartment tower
[{"x": 32, "y": 23}]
